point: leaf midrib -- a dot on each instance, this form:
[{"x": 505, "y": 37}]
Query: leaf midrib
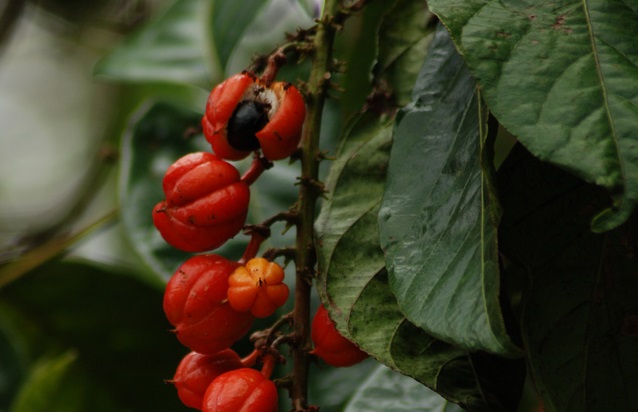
[{"x": 604, "y": 92}]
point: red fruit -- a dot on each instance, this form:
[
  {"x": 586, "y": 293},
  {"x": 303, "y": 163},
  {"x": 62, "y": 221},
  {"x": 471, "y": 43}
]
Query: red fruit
[
  {"x": 330, "y": 345},
  {"x": 196, "y": 371},
  {"x": 241, "y": 390},
  {"x": 243, "y": 114},
  {"x": 257, "y": 287},
  {"x": 206, "y": 203},
  {"x": 195, "y": 303}
]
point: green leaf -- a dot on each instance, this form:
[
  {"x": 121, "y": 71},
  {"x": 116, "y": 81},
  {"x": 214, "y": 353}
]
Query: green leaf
[
  {"x": 358, "y": 45},
  {"x": 171, "y": 49},
  {"x": 580, "y": 310},
  {"x": 12, "y": 365},
  {"x": 353, "y": 283},
  {"x": 563, "y": 77},
  {"x": 392, "y": 57},
  {"x": 229, "y": 22},
  {"x": 385, "y": 390},
  {"x": 112, "y": 329},
  {"x": 59, "y": 384},
  {"x": 405, "y": 33},
  {"x": 330, "y": 388},
  {"x": 355, "y": 184},
  {"x": 243, "y": 29},
  {"x": 153, "y": 142},
  {"x": 438, "y": 218}
]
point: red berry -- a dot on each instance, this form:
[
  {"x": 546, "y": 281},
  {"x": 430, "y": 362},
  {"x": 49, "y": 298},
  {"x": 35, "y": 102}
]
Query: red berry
[
  {"x": 243, "y": 115},
  {"x": 241, "y": 390},
  {"x": 206, "y": 203},
  {"x": 195, "y": 303},
  {"x": 330, "y": 345},
  {"x": 196, "y": 371},
  {"x": 257, "y": 287}
]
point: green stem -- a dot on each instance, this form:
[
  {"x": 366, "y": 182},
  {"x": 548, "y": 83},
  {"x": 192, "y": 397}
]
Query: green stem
[
  {"x": 308, "y": 194},
  {"x": 48, "y": 250}
]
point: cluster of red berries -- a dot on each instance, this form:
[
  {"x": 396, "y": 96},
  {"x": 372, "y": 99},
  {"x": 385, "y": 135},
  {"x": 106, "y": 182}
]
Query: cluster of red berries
[
  {"x": 210, "y": 300},
  {"x": 206, "y": 200},
  {"x": 223, "y": 382}
]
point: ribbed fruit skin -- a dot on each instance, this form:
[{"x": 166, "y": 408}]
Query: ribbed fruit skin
[{"x": 195, "y": 304}]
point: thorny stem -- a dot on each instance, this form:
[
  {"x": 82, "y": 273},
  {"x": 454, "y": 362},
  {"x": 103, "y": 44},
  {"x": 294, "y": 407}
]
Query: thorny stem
[
  {"x": 288, "y": 253},
  {"x": 308, "y": 195},
  {"x": 267, "y": 342},
  {"x": 274, "y": 62},
  {"x": 290, "y": 217},
  {"x": 259, "y": 233},
  {"x": 265, "y": 338},
  {"x": 281, "y": 339}
]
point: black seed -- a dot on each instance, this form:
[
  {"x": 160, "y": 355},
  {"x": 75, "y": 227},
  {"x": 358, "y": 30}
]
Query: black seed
[{"x": 248, "y": 118}]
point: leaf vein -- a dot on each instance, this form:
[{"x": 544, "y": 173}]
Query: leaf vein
[{"x": 601, "y": 78}]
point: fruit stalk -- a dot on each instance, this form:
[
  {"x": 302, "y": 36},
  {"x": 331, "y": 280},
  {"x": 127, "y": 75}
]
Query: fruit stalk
[{"x": 309, "y": 192}]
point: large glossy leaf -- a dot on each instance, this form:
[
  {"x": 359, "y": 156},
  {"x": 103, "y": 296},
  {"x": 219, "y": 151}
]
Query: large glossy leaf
[
  {"x": 246, "y": 28},
  {"x": 169, "y": 49},
  {"x": 404, "y": 36},
  {"x": 438, "y": 218},
  {"x": 353, "y": 282},
  {"x": 358, "y": 44},
  {"x": 563, "y": 77},
  {"x": 394, "y": 54},
  {"x": 580, "y": 312},
  {"x": 386, "y": 390},
  {"x": 83, "y": 327},
  {"x": 355, "y": 185}
]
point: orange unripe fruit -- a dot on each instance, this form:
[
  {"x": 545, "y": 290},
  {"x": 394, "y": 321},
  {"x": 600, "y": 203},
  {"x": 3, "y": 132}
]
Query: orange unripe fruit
[{"x": 257, "y": 287}]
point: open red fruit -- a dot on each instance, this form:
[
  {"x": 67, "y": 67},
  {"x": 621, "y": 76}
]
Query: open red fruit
[
  {"x": 195, "y": 303},
  {"x": 330, "y": 345},
  {"x": 243, "y": 115},
  {"x": 241, "y": 390},
  {"x": 206, "y": 203},
  {"x": 257, "y": 287},
  {"x": 196, "y": 371}
]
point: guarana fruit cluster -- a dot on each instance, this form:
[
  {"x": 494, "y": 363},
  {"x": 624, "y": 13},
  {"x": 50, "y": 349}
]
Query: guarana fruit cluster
[{"x": 210, "y": 300}]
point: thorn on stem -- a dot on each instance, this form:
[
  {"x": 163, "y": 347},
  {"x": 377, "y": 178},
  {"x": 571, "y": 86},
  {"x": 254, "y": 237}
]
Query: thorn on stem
[
  {"x": 323, "y": 155},
  {"x": 288, "y": 253},
  {"x": 260, "y": 230},
  {"x": 312, "y": 184}
]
